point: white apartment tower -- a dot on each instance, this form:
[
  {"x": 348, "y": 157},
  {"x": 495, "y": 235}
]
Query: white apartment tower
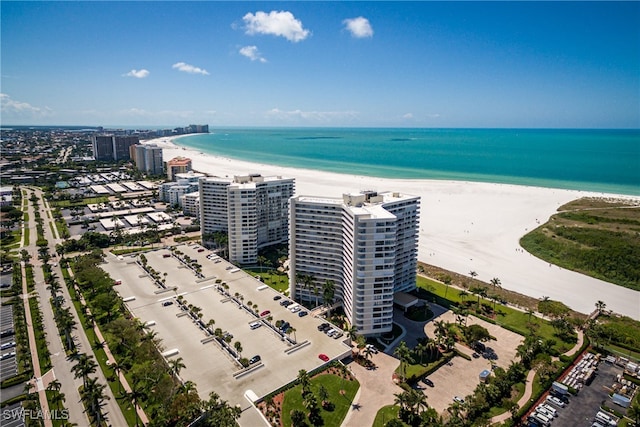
[
  {"x": 253, "y": 209},
  {"x": 365, "y": 243}
]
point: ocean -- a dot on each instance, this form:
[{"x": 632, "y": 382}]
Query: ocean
[{"x": 578, "y": 159}]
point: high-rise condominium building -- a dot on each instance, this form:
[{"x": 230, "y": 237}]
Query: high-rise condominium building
[
  {"x": 252, "y": 209},
  {"x": 113, "y": 147},
  {"x": 177, "y": 165},
  {"x": 149, "y": 159},
  {"x": 366, "y": 244}
]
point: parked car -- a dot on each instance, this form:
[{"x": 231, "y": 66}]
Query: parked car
[
  {"x": 255, "y": 359},
  {"x": 303, "y": 313},
  {"x": 555, "y": 401},
  {"x": 458, "y": 399},
  {"x": 167, "y": 303},
  {"x": 372, "y": 348},
  {"x": 428, "y": 382},
  {"x": 323, "y": 326},
  {"x": 323, "y": 357},
  {"x": 255, "y": 325},
  {"x": 296, "y": 309},
  {"x": 277, "y": 297},
  {"x": 265, "y": 313}
]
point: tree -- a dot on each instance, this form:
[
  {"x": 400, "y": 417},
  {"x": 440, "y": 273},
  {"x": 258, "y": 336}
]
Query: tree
[
  {"x": 175, "y": 366},
  {"x": 323, "y": 395},
  {"x": 474, "y": 333},
  {"x": 600, "y": 306},
  {"x": 404, "y": 354},
  {"x": 352, "y": 333},
  {"x": 84, "y": 367},
  {"x": 463, "y": 295},
  {"x": 328, "y": 293},
  {"x": 473, "y": 274},
  {"x": 134, "y": 396},
  {"x": 238, "y": 346},
  {"x": 361, "y": 343},
  {"x": 304, "y": 380},
  {"x": 446, "y": 279},
  {"x": 298, "y": 419}
]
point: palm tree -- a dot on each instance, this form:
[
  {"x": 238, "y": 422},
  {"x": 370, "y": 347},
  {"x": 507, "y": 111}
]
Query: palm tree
[
  {"x": 116, "y": 372},
  {"x": 175, "y": 366},
  {"x": 323, "y": 395},
  {"x": 210, "y": 323},
  {"x": 93, "y": 395},
  {"x": 480, "y": 292},
  {"x": 352, "y": 333},
  {"x": 440, "y": 331},
  {"x": 600, "y": 306},
  {"x": 420, "y": 350},
  {"x": 85, "y": 366},
  {"x": 463, "y": 295},
  {"x": 238, "y": 346},
  {"x": 298, "y": 418},
  {"x": 404, "y": 354},
  {"x": 473, "y": 274},
  {"x": 304, "y": 380},
  {"x": 134, "y": 396},
  {"x": 447, "y": 281},
  {"x": 328, "y": 293},
  {"x": 54, "y": 385},
  {"x": 58, "y": 399},
  {"x": 368, "y": 352}
]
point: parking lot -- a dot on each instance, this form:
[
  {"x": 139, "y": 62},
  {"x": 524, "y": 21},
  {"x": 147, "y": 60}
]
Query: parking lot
[
  {"x": 461, "y": 376},
  {"x": 12, "y": 416},
  {"x": 8, "y": 361},
  {"x": 583, "y": 407},
  {"x": 207, "y": 365}
]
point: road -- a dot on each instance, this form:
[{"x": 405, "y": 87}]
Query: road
[{"x": 61, "y": 366}]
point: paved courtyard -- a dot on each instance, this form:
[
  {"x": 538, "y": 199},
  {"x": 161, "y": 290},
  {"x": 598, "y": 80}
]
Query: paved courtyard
[{"x": 461, "y": 376}]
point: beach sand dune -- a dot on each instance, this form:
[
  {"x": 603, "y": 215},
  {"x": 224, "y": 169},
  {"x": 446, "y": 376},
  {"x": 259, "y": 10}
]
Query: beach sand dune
[{"x": 464, "y": 226}]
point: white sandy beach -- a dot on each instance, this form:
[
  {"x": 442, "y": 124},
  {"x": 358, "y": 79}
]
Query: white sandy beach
[{"x": 465, "y": 226}]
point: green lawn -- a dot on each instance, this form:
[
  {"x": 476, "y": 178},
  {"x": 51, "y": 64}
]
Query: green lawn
[
  {"x": 83, "y": 202},
  {"x": 385, "y": 414},
  {"x": 279, "y": 282},
  {"x": 333, "y": 384}
]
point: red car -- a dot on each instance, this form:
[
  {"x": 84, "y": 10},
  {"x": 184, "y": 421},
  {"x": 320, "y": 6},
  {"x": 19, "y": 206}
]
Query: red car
[
  {"x": 265, "y": 313},
  {"x": 323, "y": 357}
]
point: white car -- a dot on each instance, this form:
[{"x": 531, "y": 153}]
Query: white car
[
  {"x": 255, "y": 325},
  {"x": 555, "y": 401},
  {"x": 553, "y": 411},
  {"x": 605, "y": 418},
  {"x": 372, "y": 348}
]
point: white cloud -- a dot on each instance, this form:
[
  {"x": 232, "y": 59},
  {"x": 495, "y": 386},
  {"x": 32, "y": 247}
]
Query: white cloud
[
  {"x": 408, "y": 116},
  {"x": 310, "y": 116},
  {"x": 187, "y": 68},
  {"x": 252, "y": 53},
  {"x": 281, "y": 23},
  {"x": 17, "y": 109},
  {"x": 138, "y": 74},
  {"x": 358, "y": 27}
]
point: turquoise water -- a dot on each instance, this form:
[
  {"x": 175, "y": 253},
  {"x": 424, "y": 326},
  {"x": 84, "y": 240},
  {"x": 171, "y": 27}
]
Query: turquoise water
[{"x": 585, "y": 159}]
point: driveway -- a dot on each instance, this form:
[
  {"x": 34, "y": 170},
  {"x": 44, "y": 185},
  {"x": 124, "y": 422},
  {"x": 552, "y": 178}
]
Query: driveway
[{"x": 377, "y": 389}]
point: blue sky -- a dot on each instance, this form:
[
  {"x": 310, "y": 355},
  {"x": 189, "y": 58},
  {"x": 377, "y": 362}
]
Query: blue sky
[{"x": 386, "y": 64}]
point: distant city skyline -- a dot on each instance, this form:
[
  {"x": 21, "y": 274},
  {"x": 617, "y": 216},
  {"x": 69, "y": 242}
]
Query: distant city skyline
[{"x": 321, "y": 64}]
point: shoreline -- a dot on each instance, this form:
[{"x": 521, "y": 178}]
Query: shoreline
[{"x": 464, "y": 226}]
